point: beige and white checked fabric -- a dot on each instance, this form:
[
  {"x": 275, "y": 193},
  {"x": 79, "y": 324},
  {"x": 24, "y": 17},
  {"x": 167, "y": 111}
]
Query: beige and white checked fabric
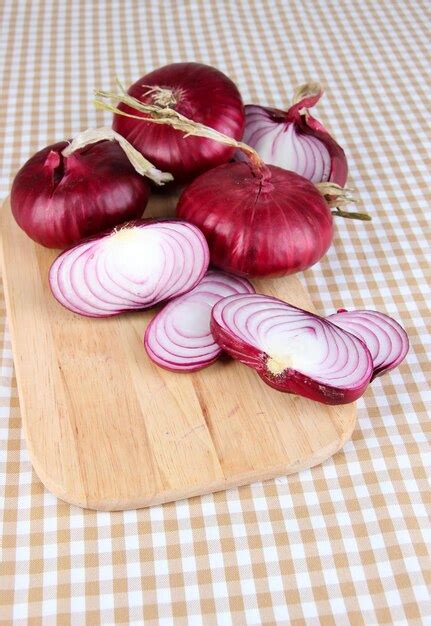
[{"x": 344, "y": 543}]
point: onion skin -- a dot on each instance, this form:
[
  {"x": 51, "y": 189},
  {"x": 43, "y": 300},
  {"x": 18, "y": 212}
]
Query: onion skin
[
  {"x": 246, "y": 347},
  {"x": 266, "y": 130},
  {"x": 58, "y": 201},
  {"x": 272, "y": 225},
  {"x": 201, "y": 93},
  {"x": 385, "y": 338}
]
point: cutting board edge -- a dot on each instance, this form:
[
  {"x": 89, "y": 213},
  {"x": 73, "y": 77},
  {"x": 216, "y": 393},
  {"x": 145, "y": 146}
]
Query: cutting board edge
[{"x": 165, "y": 497}]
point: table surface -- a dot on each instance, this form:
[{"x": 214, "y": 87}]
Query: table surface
[{"x": 345, "y": 542}]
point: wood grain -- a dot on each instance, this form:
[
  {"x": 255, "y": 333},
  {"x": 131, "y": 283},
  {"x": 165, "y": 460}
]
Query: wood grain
[{"x": 107, "y": 429}]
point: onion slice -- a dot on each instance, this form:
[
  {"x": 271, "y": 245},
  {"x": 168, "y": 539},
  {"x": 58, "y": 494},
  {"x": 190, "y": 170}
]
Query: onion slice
[
  {"x": 386, "y": 340},
  {"x": 132, "y": 267},
  {"x": 291, "y": 349},
  {"x": 179, "y": 337}
]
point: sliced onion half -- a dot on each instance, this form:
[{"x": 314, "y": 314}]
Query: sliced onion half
[
  {"x": 291, "y": 349},
  {"x": 179, "y": 337},
  {"x": 386, "y": 340},
  {"x": 133, "y": 267}
]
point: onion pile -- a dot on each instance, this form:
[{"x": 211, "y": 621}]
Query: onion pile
[
  {"x": 259, "y": 220},
  {"x": 134, "y": 267},
  {"x": 295, "y": 140},
  {"x": 386, "y": 340},
  {"x": 267, "y": 215},
  {"x": 291, "y": 349},
  {"x": 197, "y": 91},
  {"x": 67, "y": 192},
  {"x": 179, "y": 337}
]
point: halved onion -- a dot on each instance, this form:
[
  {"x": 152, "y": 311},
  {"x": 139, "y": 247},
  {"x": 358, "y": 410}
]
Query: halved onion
[
  {"x": 291, "y": 349},
  {"x": 133, "y": 267},
  {"x": 179, "y": 337},
  {"x": 294, "y": 140},
  {"x": 386, "y": 340}
]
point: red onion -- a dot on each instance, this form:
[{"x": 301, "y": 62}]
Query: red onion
[
  {"x": 67, "y": 192},
  {"x": 291, "y": 349},
  {"x": 259, "y": 220},
  {"x": 133, "y": 267},
  {"x": 179, "y": 337},
  {"x": 386, "y": 340},
  {"x": 197, "y": 91},
  {"x": 271, "y": 225},
  {"x": 295, "y": 140}
]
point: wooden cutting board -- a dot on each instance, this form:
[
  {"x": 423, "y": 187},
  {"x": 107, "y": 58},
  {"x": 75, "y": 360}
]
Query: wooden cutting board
[{"x": 107, "y": 429}]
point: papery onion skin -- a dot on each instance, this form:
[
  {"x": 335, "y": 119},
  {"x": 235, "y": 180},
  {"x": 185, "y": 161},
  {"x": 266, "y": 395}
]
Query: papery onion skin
[
  {"x": 58, "y": 201},
  {"x": 168, "y": 341},
  {"x": 295, "y": 138},
  {"x": 385, "y": 337},
  {"x": 270, "y": 226},
  {"x": 201, "y": 93},
  {"x": 246, "y": 347},
  {"x": 117, "y": 293}
]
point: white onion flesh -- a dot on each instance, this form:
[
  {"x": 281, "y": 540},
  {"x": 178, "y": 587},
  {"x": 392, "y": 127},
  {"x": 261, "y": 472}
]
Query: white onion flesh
[
  {"x": 292, "y": 349},
  {"x": 386, "y": 340},
  {"x": 179, "y": 338},
  {"x": 131, "y": 268}
]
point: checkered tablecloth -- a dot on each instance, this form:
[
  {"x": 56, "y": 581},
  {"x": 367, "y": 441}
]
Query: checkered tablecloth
[{"x": 346, "y": 542}]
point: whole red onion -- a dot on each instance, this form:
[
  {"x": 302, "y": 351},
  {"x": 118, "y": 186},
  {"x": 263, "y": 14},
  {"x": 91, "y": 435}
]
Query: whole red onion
[
  {"x": 295, "y": 140},
  {"x": 58, "y": 200},
  {"x": 197, "y": 91},
  {"x": 271, "y": 224}
]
